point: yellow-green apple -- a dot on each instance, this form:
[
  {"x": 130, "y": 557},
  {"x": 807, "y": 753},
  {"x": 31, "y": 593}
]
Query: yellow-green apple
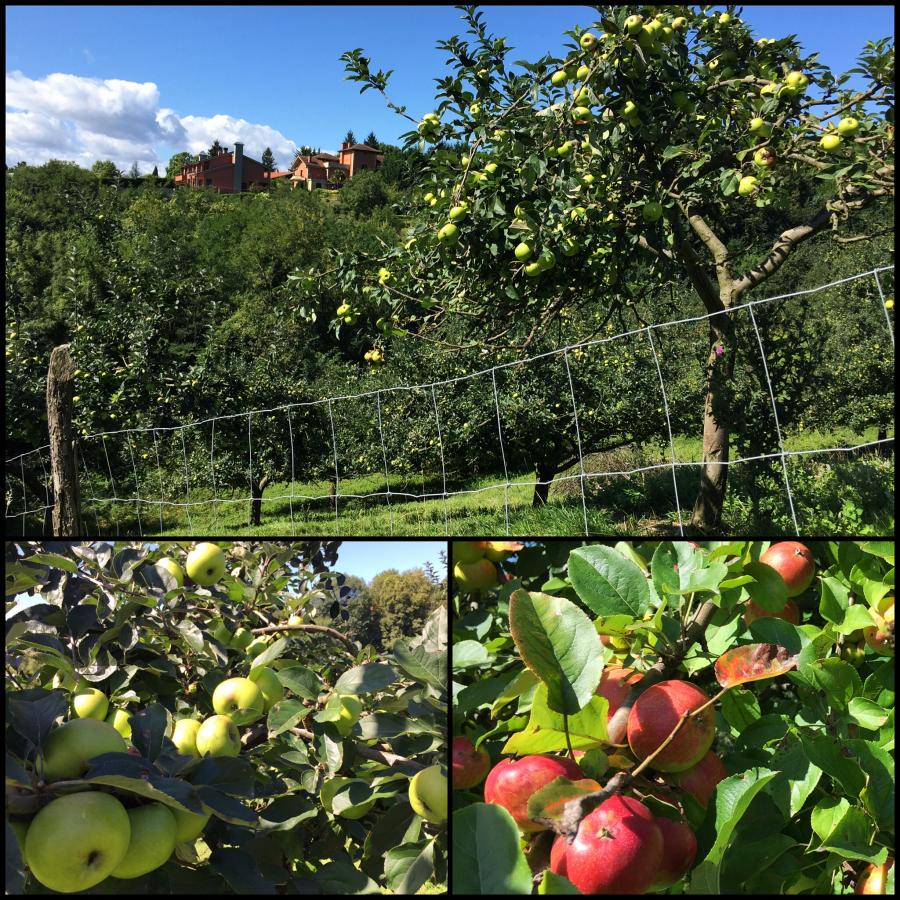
[
  {"x": 428, "y": 794},
  {"x": 764, "y": 158},
  {"x": 511, "y": 783},
  {"x": 874, "y": 878},
  {"x": 469, "y": 765},
  {"x": 218, "y": 736},
  {"x": 152, "y": 842},
  {"x": 652, "y": 211},
  {"x": 294, "y": 620},
  {"x": 205, "y": 564},
  {"x": 172, "y": 568},
  {"x": 794, "y": 563},
  {"x": 582, "y": 114},
  {"x": 90, "y": 703},
  {"x": 679, "y": 851},
  {"x": 258, "y": 644},
  {"x": 242, "y": 638},
  {"x": 759, "y": 126},
  {"x": 68, "y": 748},
  {"x": 351, "y": 709},
  {"x": 618, "y": 849},
  {"x": 356, "y": 810},
  {"x": 547, "y": 259},
  {"x": 679, "y": 23},
  {"x": 532, "y": 270},
  {"x": 184, "y": 736},
  {"x": 384, "y": 275},
  {"x": 565, "y": 149},
  {"x": 848, "y": 125},
  {"x": 747, "y": 185},
  {"x": 118, "y": 718},
  {"x": 448, "y": 233},
  {"x": 77, "y": 840},
  {"x": 588, "y": 41},
  {"x": 266, "y": 680},
  {"x": 583, "y": 72},
  {"x": 458, "y": 213},
  {"x": 490, "y": 168},
  {"x": 20, "y": 830},
  {"x": 188, "y": 825},
  {"x": 633, "y": 24},
  {"x": 796, "y": 80},
  {"x": 523, "y": 251},
  {"x": 482, "y": 574},
  {"x": 240, "y": 699},
  {"x": 830, "y": 142},
  {"x": 880, "y": 636},
  {"x": 221, "y": 633},
  {"x": 654, "y": 716},
  {"x": 558, "y": 79},
  {"x": 724, "y": 18},
  {"x": 700, "y": 780}
]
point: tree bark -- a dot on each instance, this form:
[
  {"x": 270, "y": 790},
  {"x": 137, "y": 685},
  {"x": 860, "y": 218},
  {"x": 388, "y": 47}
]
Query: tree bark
[
  {"x": 543, "y": 476},
  {"x": 63, "y": 471},
  {"x": 256, "y": 502}
]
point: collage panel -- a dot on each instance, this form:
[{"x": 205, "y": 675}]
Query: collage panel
[
  {"x": 641, "y": 716},
  {"x": 227, "y": 717}
]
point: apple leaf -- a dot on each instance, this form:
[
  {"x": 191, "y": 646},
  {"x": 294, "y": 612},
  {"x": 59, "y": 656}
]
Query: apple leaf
[
  {"x": 768, "y": 589},
  {"x": 608, "y": 583},
  {"x": 556, "y": 884},
  {"x": 365, "y": 679},
  {"x": 558, "y": 642},
  {"x": 753, "y": 662},
  {"x": 487, "y": 857}
]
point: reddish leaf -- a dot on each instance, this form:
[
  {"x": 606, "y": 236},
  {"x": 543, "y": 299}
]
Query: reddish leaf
[{"x": 753, "y": 662}]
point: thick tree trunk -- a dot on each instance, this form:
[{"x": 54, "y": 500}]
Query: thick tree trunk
[
  {"x": 543, "y": 475},
  {"x": 707, "y": 514},
  {"x": 256, "y": 502},
  {"x": 63, "y": 471}
]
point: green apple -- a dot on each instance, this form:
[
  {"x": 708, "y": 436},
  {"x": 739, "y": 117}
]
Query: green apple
[
  {"x": 796, "y": 80},
  {"x": 724, "y": 18},
  {"x": 788, "y": 91},
  {"x": 764, "y": 158},
  {"x": 475, "y": 110},
  {"x": 523, "y": 251},
  {"x": 830, "y": 142},
  {"x": 188, "y": 825},
  {"x": 76, "y": 841},
  {"x": 558, "y": 79},
  {"x": 681, "y": 101},
  {"x": 747, "y": 185},
  {"x": 384, "y": 275},
  {"x": 90, "y": 703},
  {"x": 343, "y": 309},
  {"x": 458, "y": 213},
  {"x": 490, "y": 168},
  {"x": 848, "y": 125},
  {"x": 679, "y": 23},
  {"x": 68, "y": 748},
  {"x": 652, "y": 211},
  {"x": 565, "y": 149},
  {"x": 205, "y": 564},
  {"x": 221, "y": 633},
  {"x": 271, "y": 688},
  {"x": 242, "y": 638},
  {"x": 583, "y": 72},
  {"x": 569, "y": 247},
  {"x": 633, "y": 24},
  {"x": 428, "y": 794},
  {"x": 118, "y": 718},
  {"x": 20, "y": 830},
  {"x": 184, "y": 737},
  {"x": 172, "y": 568},
  {"x": 588, "y": 178},
  {"x": 533, "y": 269},
  {"x": 629, "y": 109},
  {"x": 218, "y": 736},
  {"x": 582, "y": 114},
  {"x": 152, "y": 842},
  {"x": 449, "y": 233},
  {"x": 756, "y": 125},
  {"x": 547, "y": 259},
  {"x": 582, "y": 97},
  {"x": 295, "y": 620},
  {"x": 332, "y": 786},
  {"x": 588, "y": 41},
  {"x": 239, "y": 699},
  {"x": 259, "y": 644},
  {"x": 351, "y": 708}
]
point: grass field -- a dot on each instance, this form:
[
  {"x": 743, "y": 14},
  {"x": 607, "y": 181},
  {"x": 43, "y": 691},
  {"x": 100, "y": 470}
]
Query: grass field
[{"x": 833, "y": 494}]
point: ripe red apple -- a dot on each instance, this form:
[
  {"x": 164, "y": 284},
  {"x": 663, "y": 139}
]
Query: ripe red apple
[
  {"x": 679, "y": 851},
  {"x": 615, "y": 686},
  {"x": 618, "y": 849},
  {"x": 790, "y": 613},
  {"x": 469, "y": 765},
  {"x": 511, "y": 783},
  {"x": 794, "y": 563},
  {"x": 874, "y": 878},
  {"x": 701, "y": 780},
  {"x": 655, "y": 715}
]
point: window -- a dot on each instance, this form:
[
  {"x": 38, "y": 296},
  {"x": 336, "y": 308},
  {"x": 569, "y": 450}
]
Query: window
[{"x": 208, "y": 182}]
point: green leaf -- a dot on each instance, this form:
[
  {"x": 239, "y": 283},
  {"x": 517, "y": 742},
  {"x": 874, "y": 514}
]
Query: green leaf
[
  {"x": 607, "y": 583},
  {"x": 557, "y": 641},
  {"x": 365, "y": 679},
  {"x": 487, "y": 857}
]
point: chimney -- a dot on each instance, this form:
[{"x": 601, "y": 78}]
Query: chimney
[
  {"x": 345, "y": 145},
  {"x": 238, "y": 166}
]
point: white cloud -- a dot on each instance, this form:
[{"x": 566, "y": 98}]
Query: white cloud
[{"x": 84, "y": 119}]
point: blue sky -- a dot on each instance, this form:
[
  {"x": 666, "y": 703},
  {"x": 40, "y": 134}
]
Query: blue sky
[{"x": 141, "y": 82}]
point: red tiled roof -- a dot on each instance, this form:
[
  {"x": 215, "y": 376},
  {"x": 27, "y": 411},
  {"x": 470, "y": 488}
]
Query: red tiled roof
[{"x": 361, "y": 147}]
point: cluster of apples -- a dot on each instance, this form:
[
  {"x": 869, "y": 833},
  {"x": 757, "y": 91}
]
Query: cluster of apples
[
  {"x": 476, "y": 563},
  {"x": 795, "y": 564},
  {"x": 621, "y": 846}
]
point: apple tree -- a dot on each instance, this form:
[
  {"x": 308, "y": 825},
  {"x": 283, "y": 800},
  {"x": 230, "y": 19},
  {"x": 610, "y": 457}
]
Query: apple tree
[
  {"x": 627, "y": 162},
  {"x": 196, "y": 720},
  {"x": 673, "y": 716}
]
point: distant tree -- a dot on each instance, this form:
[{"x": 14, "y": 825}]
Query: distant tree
[
  {"x": 402, "y": 601},
  {"x": 268, "y": 160},
  {"x": 155, "y": 172},
  {"x": 177, "y": 163},
  {"x": 349, "y": 137},
  {"x": 364, "y": 193},
  {"x": 216, "y": 148},
  {"x": 371, "y": 140},
  {"x": 105, "y": 168},
  {"x": 306, "y": 150},
  {"x": 401, "y": 167},
  {"x": 134, "y": 171},
  {"x": 362, "y": 623}
]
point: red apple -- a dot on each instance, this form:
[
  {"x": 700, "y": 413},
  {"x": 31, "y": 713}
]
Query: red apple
[
  {"x": 615, "y": 686},
  {"x": 794, "y": 563},
  {"x": 511, "y": 783},
  {"x": 618, "y": 849},
  {"x": 880, "y": 637},
  {"x": 679, "y": 850},
  {"x": 469, "y": 765},
  {"x": 874, "y": 878},
  {"x": 654, "y": 717},
  {"x": 790, "y": 613},
  {"x": 701, "y": 780}
]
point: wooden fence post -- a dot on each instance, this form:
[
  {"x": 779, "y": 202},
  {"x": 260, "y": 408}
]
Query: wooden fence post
[{"x": 63, "y": 472}]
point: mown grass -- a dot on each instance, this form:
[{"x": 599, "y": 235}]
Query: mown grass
[{"x": 832, "y": 493}]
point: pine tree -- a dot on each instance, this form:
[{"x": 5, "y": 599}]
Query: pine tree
[
  {"x": 135, "y": 172},
  {"x": 268, "y": 160},
  {"x": 349, "y": 137},
  {"x": 216, "y": 148},
  {"x": 155, "y": 172},
  {"x": 371, "y": 140}
]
